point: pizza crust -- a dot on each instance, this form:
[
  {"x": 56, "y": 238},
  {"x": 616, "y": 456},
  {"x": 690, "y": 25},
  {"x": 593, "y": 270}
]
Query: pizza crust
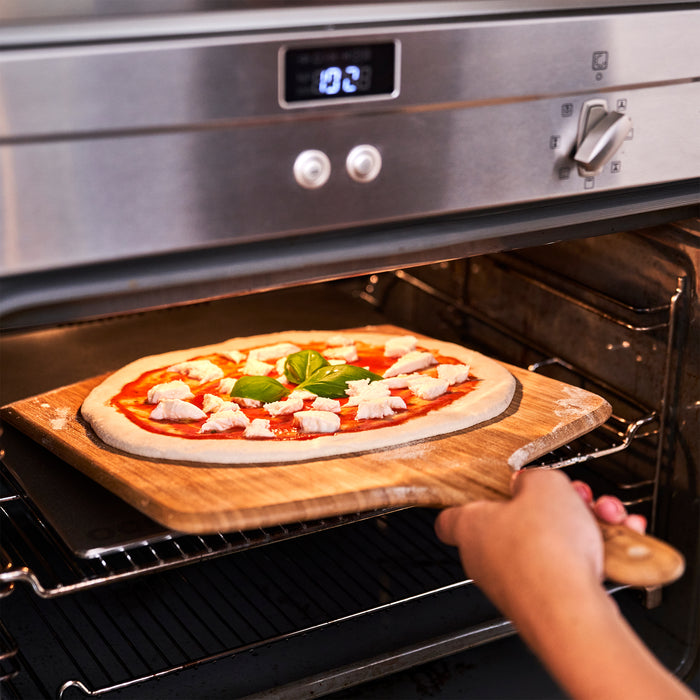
[{"x": 492, "y": 397}]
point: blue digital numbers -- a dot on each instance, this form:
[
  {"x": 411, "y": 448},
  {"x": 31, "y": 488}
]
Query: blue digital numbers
[
  {"x": 319, "y": 74},
  {"x": 352, "y": 76},
  {"x": 335, "y": 80},
  {"x": 329, "y": 80}
]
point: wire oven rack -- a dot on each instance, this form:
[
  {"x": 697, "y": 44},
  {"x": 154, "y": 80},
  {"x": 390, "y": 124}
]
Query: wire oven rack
[
  {"x": 641, "y": 431},
  {"x": 150, "y": 627}
]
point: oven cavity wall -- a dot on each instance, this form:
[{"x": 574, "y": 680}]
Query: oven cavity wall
[{"x": 617, "y": 314}]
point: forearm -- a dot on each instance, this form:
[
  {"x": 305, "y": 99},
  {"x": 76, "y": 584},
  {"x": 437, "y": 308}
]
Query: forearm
[
  {"x": 539, "y": 558},
  {"x": 589, "y": 648}
]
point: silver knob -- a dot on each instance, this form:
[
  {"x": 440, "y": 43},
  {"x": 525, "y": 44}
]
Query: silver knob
[
  {"x": 601, "y": 133},
  {"x": 312, "y": 169},
  {"x": 363, "y": 163}
]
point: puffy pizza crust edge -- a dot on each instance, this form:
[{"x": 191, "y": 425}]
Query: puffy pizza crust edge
[{"x": 116, "y": 430}]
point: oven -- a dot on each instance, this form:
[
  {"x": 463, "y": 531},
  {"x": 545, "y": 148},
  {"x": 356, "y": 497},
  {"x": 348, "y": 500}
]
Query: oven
[{"x": 521, "y": 180}]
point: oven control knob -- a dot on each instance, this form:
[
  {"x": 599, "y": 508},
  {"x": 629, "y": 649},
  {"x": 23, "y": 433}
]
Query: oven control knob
[
  {"x": 600, "y": 134},
  {"x": 312, "y": 169},
  {"x": 363, "y": 163}
]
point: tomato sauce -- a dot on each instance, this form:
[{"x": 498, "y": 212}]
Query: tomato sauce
[{"x": 131, "y": 400}]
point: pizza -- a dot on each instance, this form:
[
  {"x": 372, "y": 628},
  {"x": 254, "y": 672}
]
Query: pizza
[{"x": 295, "y": 395}]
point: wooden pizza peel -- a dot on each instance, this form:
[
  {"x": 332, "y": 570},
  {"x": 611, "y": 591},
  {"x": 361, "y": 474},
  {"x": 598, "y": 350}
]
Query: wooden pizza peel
[{"x": 472, "y": 464}]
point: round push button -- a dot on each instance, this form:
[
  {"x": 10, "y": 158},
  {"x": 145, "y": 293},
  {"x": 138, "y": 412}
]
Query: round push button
[
  {"x": 312, "y": 169},
  {"x": 363, "y": 163}
]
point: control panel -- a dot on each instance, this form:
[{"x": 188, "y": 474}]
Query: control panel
[{"x": 140, "y": 147}]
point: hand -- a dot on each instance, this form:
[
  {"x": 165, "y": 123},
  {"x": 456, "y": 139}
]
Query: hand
[
  {"x": 539, "y": 558},
  {"x": 545, "y": 530},
  {"x": 545, "y": 533},
  {"x": 611, "y": 509}
]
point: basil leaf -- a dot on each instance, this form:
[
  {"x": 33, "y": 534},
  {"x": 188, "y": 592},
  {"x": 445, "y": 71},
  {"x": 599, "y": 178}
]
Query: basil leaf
[
  {"x": 265, "y": 389},
  {"x": 331, "y": 381},
  {"x": 299, "y": 366}
]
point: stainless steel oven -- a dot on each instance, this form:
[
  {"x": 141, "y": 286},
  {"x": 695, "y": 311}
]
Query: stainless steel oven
[{"x": 523, "y": 180}]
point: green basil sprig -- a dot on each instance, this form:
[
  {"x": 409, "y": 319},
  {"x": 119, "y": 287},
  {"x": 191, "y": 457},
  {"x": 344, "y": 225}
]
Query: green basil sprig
[
  {"x": 265, "y": 389},
  {"x": 330, "y": 381},
  {"x": 299, "y": 366}
]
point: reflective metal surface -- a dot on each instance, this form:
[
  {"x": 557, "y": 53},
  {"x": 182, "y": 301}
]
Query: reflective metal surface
[{"x": 117, "y": 150}]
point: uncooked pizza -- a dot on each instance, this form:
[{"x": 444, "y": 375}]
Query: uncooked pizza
[{"x": 296, "y": 395}]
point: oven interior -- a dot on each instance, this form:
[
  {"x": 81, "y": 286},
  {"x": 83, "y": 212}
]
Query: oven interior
[{"x": 98, "y": 600}]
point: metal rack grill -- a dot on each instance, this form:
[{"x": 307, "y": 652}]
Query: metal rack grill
[
  {"x": 34, "y": 554},
  {"x": 639, "y": 428},
  {"x": 118, "y": 636}
]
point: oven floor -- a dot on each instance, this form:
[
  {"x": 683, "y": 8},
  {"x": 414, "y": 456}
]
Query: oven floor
[{"x": 476, "y": 674}]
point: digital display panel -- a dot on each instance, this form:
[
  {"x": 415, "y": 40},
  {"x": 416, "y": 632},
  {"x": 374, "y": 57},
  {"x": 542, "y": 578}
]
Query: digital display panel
[{"x": 339, "y": 72}]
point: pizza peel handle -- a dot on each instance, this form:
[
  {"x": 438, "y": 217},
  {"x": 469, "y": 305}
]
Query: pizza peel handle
[
  {"x": 629, "y": 558},
  {"x": 639, "y": 560}
]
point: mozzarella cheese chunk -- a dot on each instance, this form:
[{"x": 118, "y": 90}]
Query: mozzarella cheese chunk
[
  {"x": 246, "y": 403},
  {"x": 371, "y": 391},
  {"x": 177, "y": 409},
  {"x": 428, "y": 387},
  {"x": 226, "y": 384},
  {"x": 283, "y": 408},
  {"x": 258, "y": 428},
  {"x": 235, "y": 355},
  {"x": 396, "y": 403},
  {"x": 273, "y": 352},
  {"x": 317, "y": 421},
  {"x": 199, "y": 370},
  {"x": 347, "y": 353},
  {"x": 411, "y": 362},
  {"x": 400, "y": 381},
  {"x": 323, "y": 404},
  {"x": 213, "y": 403},
  {"x": 225, "y": 420},
  {"x": 302, "y": 394},
  {"x": 279, "y": 368},
  {"x": 381, "y": 407},
  {"x": 453, "y": 374},
  {"x": 399, "y": 346},
  {"x": 356, "y": 386},
  {"x": 374, "y": 408},
  {"x": 257, "y": 368},
  {"x": 169, "y": 390}
]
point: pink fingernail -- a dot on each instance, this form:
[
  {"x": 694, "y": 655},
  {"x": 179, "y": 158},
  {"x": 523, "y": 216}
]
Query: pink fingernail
[
  {"x": 583, "y": 490},
  {"x": 610, "y": 508},
  {"x": 636, "y": 522}
]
